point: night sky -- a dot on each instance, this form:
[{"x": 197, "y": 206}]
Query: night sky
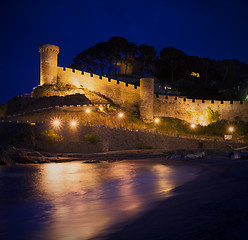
[{"x": 213, "y": 29}]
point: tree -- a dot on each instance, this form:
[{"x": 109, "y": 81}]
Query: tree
[
  {"x": 130, "y": 52},
  {"x": 147, "y": 55},
  {"x": 226, "y": 79},
  {"x": 104, "y": 54},
  {"x": 85, "y": 62},
  {"x": 118, "y": 45},
  {"x": 94, "y": 59},
  {"x": 173, "y": 59}
]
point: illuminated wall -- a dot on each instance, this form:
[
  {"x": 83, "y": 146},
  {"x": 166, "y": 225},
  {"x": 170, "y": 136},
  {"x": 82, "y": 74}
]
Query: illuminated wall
[
  {"x": 119, "y": 92},
  {"x": 122, "y": 93},
  {"x": 195, "y": 111}
]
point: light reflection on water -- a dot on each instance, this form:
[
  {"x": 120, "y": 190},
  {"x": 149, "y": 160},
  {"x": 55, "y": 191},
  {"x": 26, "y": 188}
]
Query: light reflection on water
[{"x": 80, "y": 201}]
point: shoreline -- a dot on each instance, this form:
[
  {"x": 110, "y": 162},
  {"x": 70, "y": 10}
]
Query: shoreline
[
  {"x": 13, "y": 155},
  {"x": 211, "y": 206}
]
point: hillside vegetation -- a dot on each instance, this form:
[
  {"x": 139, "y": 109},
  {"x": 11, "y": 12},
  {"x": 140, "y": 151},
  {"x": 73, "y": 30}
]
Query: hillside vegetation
[{"x": 172, "y": 126}]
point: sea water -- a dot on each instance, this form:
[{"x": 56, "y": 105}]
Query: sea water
[{"x": 78, "y": 200}]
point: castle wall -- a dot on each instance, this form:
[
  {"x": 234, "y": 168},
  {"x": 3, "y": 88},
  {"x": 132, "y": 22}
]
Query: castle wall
[
  {"x": 195, "y": 111},
  {"x": 118, "y": 92},
  {"x": 191, "y": 110}
]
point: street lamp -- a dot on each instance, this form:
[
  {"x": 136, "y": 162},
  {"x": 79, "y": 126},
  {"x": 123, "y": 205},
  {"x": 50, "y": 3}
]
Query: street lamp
[
  {"x": 156, "y": 120},
  {"x": 193, "y": 126},
  {"x": 120, "y": 115},
  {"x": 231, "y": 129},
  {"x": 73, "y": 123},
  {"x": 56, "y": 122}
]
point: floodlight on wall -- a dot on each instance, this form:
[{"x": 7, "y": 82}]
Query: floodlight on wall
[
  {"x": 156, "y": 120},
  {"x": 120, "y": 115}
]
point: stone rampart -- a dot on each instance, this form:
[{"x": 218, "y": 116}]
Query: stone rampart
[
  {"x": 119, "y": 92},
  {"x": 114, "y": 139},
  {"x": 196, "y": 111}
]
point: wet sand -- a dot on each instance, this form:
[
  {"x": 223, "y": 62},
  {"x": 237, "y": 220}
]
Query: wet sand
[{"x": 212, "y": 206}]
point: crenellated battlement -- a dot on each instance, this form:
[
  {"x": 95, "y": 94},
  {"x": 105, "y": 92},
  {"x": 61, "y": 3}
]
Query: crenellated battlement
[
  {"x": 118, "y": 91},
  {"x": 176, "y": 99},
  {"x": 150, "y": 105},
  {"x": 65, "y": 70},
  {"x": 48, "y": 48},
  {"x": 197, "y": 110}
]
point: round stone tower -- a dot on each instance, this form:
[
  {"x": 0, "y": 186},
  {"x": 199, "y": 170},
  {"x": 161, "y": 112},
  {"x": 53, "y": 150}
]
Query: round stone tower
[
  {"x": 48, "y": 64},
  {"x": 146, "y": 98}
]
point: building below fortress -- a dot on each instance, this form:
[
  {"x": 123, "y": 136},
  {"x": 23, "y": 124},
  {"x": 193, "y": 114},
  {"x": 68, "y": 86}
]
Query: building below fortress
[{"x": 61, "y": 81}]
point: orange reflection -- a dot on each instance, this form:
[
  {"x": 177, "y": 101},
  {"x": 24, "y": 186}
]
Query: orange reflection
[{"x": 87, "y": 199}]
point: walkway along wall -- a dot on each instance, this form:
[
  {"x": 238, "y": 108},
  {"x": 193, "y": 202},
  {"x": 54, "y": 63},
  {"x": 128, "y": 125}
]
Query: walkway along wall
[{"x": 112, "y": 139}]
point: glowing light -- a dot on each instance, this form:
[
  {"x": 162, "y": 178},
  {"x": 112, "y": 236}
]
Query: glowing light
[
  {"x": 56, "y": 122},
  {"x": 193, "y": 125},
  {"x": 231, "y": 129},
  {"x": 73, "y": 123},
  {"x": 101, "y": 108},
  {"x": 88, "y": 110},
  {"x": 156, "y": 120},
  {"x": 195, "y": 74},
  {"x": 121, "y": 115}
]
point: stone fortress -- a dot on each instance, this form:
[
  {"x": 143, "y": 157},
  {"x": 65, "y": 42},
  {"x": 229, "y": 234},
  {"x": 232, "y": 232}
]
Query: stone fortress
[{"x": 150, "y": 105}]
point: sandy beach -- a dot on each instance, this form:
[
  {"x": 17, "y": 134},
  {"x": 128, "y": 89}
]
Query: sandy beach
[{"x": 212, "y": 206}]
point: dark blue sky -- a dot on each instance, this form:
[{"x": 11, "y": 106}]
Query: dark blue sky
[{"x": 213, "y": 29}]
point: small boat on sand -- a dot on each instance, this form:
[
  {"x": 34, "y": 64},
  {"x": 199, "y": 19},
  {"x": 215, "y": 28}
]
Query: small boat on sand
[
  {"x": 194, "y": 156},
  {"x": 238, "y": 153}
]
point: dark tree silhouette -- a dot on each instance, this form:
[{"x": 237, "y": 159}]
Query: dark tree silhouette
[
  {"x": 172, "y": 60},
  {"x": 147, "y": 56},
  {"x": 130, "y": 53},
  {"x": 118, "y": 45},
  {"x": 94, "y": 59},
  {"x": 226, "y": 79},
  {"x": 85, "y": 61}
]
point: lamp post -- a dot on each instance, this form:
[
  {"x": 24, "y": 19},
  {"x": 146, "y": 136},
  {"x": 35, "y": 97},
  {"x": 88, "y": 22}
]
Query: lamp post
[
  {"x": 156, "y": 120},
  {"x": 193, "y": 126},
  {"x": 120, "y": 115},
  {"x": 231, "y": 129},
  {"x": 87, "y": 117},
  {"x": 56, "y": 123},
  {"x": 73, "y": 124}
]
